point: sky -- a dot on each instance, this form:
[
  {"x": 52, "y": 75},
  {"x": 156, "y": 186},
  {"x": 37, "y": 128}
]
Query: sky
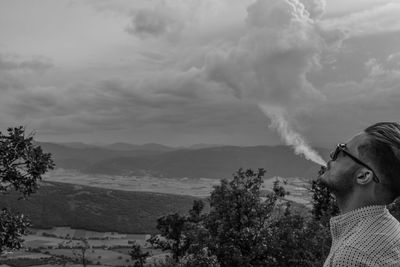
[{"x": 181, "y": 72}]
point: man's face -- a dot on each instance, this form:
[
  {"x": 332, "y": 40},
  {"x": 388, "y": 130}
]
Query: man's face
[{"x": 340, "y": 175}]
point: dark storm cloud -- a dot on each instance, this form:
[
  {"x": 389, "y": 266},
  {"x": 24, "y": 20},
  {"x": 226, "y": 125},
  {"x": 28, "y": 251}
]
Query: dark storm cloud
[
  {"x": 116, "y": 104},
  {"x": 154, "y": 22}
]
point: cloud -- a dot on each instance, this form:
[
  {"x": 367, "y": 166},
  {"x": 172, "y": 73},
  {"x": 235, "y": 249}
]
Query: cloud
[
  {"x": 123, "y": 104},
  {"x": 215, "y": 83},
  {"x": 205, "y": 66},
  {"x": 352, "y": 106},
  {"x": 155, "y": 22},
  {"x": 115, "y": 7},
  {"x": 387, "y": 67},
  {"x": 315, "y": 8},
  {"x": 376, "y": 20},
  {"x": 269, "y": 63},
  {"x": 14, "y": 70},
  {"x": 179, "y": 21},
  {"x": 393, "y": 61},
  {"x": 15, "y": 63}
]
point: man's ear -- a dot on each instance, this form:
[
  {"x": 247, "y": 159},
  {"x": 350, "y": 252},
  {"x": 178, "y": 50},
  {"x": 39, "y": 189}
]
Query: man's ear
[{"x": 364, "y": 176}]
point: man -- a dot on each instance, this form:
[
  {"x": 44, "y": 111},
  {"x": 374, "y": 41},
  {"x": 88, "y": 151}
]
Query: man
[{"x": 364, "y": 176}]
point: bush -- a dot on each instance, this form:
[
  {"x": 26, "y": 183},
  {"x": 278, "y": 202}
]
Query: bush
[{"x": 241, "y": 229}]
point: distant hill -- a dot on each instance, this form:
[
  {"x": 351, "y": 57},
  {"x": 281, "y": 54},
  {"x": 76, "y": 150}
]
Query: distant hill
[
  {"x": 200, "y": 146},
  {"x": 217, "y": 162},
  {"x": 162, "y": 161},
  {"x": 145, "y": 147},
  {"x": 96, "y": 209},
  {"x": 80, "y": 158},
  {"x": 77, "y": 145}
]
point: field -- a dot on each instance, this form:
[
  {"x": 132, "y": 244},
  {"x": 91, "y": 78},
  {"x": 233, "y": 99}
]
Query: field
[
  {"x": 60, "y": 245},
  {"x": 197, "y": 187}
]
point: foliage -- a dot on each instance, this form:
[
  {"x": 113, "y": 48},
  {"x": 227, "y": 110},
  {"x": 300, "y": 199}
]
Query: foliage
[
  {"x": 200, "y": 258},
  {"x": 324, "y": 204},
  {"x": 244, "y": 229},
  {"x": 97, "y": 209},
  {"x": 297, "y": 241},
  {"x": 167, "y": 262},
  {"x": 22, "y": 164},
  {"x": 12, "y": 227},
  {"x": 138, "y": 255},
  {"x": 171, "y": 229},
  {"x": 80, "y": 250},
  {"x": 237, "y": 219},
  {"x": 23, "y": 262},
  {"x": 394, "y": 208}
]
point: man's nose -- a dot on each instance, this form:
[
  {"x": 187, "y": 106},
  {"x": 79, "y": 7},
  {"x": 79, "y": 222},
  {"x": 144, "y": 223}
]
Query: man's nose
[{"x": 328, "y": 165}]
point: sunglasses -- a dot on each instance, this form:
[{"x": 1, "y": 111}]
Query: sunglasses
[{"x": 343, "y": 148}]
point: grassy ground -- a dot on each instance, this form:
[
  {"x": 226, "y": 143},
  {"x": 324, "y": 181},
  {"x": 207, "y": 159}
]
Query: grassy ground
[{"x": 104, "y": 249}]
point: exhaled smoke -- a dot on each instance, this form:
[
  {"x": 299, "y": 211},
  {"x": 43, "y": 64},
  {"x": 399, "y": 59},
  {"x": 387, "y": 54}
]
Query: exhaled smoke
[
  {"x": 270, "y": 63},
  {"x": 292, "y": 138}
]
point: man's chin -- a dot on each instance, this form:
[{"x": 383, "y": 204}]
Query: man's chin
[
  {"x": 321, "y": 176},
  {"x": 324, "y": 179}
]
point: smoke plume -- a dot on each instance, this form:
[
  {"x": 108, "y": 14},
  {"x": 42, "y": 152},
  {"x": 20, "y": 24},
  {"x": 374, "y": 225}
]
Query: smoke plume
[
  {"x": 289, "y": 136},
  {"x": 268, "y": 65}
]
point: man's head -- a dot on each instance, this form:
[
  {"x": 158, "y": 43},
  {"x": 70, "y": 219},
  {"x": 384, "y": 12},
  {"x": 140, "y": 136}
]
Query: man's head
[{"x": 368, "y": 163}]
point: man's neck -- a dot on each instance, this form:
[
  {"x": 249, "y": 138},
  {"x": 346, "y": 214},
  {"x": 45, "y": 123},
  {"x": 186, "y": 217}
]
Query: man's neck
[{"x": 354, "y": 201}]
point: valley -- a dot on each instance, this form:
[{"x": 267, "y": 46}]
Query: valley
[
  {"x": 196, "y": 187},
  {"x": 112, "y": 197}
]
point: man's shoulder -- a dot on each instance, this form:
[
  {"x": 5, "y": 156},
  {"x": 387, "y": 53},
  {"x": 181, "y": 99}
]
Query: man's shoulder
[
  {"x": 374, "y": 240},
  {"x": 385, "y": 224},
  {"x": 379, "y": 237}
]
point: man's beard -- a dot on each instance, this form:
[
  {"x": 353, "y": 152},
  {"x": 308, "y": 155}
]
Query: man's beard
[{"x": 342, "y": 185}]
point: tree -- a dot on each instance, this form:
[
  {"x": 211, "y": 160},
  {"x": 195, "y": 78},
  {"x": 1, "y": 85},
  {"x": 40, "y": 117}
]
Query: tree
[
  {"x": 171, "y": 229},
  {"x": 12, "y": 227},
  {"x": 79, "y": 249},
  {"x": 394, "y": 208},
  {"x": 138, "y": 255},
  {"x": 238, "y": 218},
  {"x": 324, "y": 204},
  {"x": 297, "y": 240},
  {"x": 22, "y": 164}
]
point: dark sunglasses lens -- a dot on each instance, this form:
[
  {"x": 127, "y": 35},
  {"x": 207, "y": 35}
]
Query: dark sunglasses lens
[{"x": 335, "y": 153}]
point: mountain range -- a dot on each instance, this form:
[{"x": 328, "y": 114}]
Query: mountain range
[{"x": 163, "y": 161}]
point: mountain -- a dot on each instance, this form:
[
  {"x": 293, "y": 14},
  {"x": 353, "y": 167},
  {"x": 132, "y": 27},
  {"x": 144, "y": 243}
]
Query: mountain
[
  {"x": 145, "y": 147},
  {"x": 162, "y": 161},
  {"x": 96, "y": 209},
  {"x": 81, "y": 158},
  {"x": 200, "y": 146},
  {"x": 216, "y": 162},
  {"x": 76, "y": 145}
]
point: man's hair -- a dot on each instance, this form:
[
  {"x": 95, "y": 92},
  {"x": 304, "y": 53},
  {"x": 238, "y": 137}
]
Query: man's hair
[{"x": 383, "y": 150}]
